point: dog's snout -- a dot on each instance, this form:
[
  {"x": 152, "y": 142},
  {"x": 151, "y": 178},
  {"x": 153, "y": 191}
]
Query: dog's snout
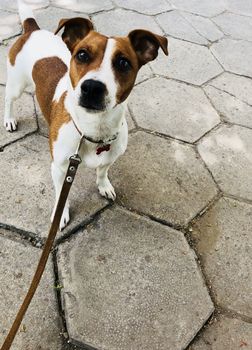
[
  {"x": 93, "y": 87},
  {"x": 93, "y": 94}
]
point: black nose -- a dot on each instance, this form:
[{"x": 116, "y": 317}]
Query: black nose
[{"x": 93, "y": 94}]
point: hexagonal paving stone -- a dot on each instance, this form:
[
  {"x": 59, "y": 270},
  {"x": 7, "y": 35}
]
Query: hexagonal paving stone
[
  {"x": 87, "y": 6},
  {"x": 162, "y": 178},
  {"x": 130, "y": 283},
  {"x": 238, "y": 27},
  {"x": 231, "y": 53},
  {"x": 201, "y": 7},
  {"x": 3, "y": 65},
  {"x": 24, "y": 111},
  {"x": 9, "y": 25},
  {"x": 224, "y": 148},
  {"x": 204, "y": 26},
  {"x": 175, "y": 109},
  {"x": 223, "y": 240},
  {"x": 243, "y": 7},
  {"x": 200, "y": 64},
  {"x": 49, "y": 18},
  {"x": 12, "y": 4},
  {"x": 230, "y": 108},
  {"x": 40, "y": 327},
  {"x": 145, "y": 72},
  {"x": 177, "y": 26},
  {"x": 226, "y": 333},
  {"x": 29, "y": 206},
  {"x": 238, "y": 86},
  {"x": 121, "y": 22},
  {"x": 147, "y": 7}
]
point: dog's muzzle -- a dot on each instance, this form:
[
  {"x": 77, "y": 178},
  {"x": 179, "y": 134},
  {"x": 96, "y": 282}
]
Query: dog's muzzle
[{"x": 93, "y": 94}]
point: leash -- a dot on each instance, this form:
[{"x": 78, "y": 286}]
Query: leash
[{"x": 74, "y": 162}]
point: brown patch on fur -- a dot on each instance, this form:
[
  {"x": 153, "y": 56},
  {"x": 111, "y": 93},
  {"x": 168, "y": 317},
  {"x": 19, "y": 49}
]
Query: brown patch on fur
[
  {"x": 59, "y": 116},
  {"x": 95, "y": 44},
  {"x": 30, "y": 26},
  {"x": 125, "y": 80},
  {"x": 53, "y": 69}
]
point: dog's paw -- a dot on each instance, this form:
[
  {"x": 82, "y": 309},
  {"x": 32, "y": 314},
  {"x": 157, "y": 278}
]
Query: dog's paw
[
  {"x": 65, "y": 218},
  {"x": 107, "y": 190},
  {"x": 10, "y": 125}
]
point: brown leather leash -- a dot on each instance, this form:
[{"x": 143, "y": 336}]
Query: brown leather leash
[{"x": 74, "y": 162}]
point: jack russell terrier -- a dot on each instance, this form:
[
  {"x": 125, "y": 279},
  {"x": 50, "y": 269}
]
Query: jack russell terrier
[{"x": 82, "y": 83}]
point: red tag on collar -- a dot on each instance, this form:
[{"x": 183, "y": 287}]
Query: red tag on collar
[{"x": 102, "y": 149}]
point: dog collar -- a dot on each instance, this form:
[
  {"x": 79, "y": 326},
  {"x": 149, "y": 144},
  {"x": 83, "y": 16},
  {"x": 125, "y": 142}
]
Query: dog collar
[{"x": 105, "y": 146}]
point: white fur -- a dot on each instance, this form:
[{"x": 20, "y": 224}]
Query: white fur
[{"x": 103, "y": 125}]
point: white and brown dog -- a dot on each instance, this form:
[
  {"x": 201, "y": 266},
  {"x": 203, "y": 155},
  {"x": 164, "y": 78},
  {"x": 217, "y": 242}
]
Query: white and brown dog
[{"x": 82, "y": 83}]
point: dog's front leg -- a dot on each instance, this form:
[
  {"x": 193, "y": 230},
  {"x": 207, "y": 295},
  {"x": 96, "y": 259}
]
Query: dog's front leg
[
  {"x": 58, "y": 176},
  {"x": 104, "y": 185}
]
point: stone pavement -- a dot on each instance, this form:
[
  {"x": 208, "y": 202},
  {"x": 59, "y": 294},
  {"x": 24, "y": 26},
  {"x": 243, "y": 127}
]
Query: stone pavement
[{"x": 169, "y": 265}]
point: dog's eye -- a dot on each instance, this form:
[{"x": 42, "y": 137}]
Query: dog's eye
[
  {"x": 83, "y": 56},
  {"x": 122, "y": 64}
]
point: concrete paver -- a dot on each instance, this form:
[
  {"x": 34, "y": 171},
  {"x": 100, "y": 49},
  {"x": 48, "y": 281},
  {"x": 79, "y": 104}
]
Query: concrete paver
[
  {"x": 163, "y": 179},
  {"x": 87, "y": 6},
  {"x": 226, "y": 333},
  {"x": 9, "y": 25},
  {"x": 187, "y": 115},
  {"x": 128, "y": 20},
  {"x": 221, "y": 150},
  {"x": 201, "y": 7},
  {"x": 231, "y": 53},
  {"x": 223, "y": 240},
  {"x": 11, "y": 5},
  {"x": 129, "y": 283},
  {"x": 29, "y": 206},
  {"x": 236, "y": 26},
  {"x": 229, "y": 107},
  {"x": 200, "y": 64},
  {"x": 40, "y": 328},
  {"x": 148, "y": 7}
]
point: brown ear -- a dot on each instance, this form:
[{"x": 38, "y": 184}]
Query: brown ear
[
  {"x": 146, "y": 45},
  {"x": 75, "y": 29}
]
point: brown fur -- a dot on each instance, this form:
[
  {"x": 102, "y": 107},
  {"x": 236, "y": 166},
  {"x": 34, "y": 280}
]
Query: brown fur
[
  {"x": 95, "y": 44},
  {"x": 29, "y": 26},
  {"x": 125, "y": 80},
  {"x": 59, "y": 116},
  {"x": 53, "y": 68}
]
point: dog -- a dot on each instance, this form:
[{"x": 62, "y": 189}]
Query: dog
[{"x": 82, "y": 81}]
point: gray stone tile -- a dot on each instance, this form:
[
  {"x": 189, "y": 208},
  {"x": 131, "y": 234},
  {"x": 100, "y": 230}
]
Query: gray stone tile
[
  {"x": 243, "y": 7},
  {"x": 200, "y": 64},
  {"x": 3, "y": 64},
  {"x": 228, "y": 152},
  {"x": 49, "y": 18},
  {"x": 148, "y": 7},
  {"x": 238, "y": 27},
  {"x": 223, "y": 240},
  {"x": 226, "y": 333},
  {"x": 40, "y": 328},
  {"x": 173, "y": 108},
  {"x": 231, "y": 108},
  {"x": 177, "y": 26},
  {"x": 204, "y": 26},
  {"x": 87, "y": 6},
  {"x": 236, "y": 85},
  {"x": 231, "y": 53},
  {"x": 9, "y": 25},
  {"x": 145, "y": 72},
  {"x": 162, "y": 178},
  {"x": 121, "y": 22},
  {"x": 24, "y": 111},
  {"x": 137, "y": 284},
  {"x": 12, "y": 4},
  {"x": 201, "y": 7},
  {"x": 29, "y": 206}
]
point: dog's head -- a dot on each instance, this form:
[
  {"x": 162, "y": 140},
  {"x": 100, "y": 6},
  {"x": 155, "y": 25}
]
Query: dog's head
[{"x": 103, "y": 70}]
